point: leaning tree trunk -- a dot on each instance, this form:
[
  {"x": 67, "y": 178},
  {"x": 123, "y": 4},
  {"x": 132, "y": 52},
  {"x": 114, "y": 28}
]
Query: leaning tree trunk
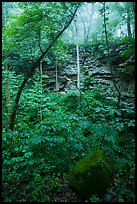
[{"x": 32, "y": 71}]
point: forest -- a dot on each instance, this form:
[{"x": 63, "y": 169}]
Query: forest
[{"x": 68, "y": 101}]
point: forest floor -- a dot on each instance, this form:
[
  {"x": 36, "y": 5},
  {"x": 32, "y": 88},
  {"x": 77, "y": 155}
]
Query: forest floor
[{"x": 67, "y": 194}]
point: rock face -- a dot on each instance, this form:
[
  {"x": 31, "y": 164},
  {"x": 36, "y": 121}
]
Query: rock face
[
  {"x": 99, "y": 72},
  {"x": 92, "y": 174}
]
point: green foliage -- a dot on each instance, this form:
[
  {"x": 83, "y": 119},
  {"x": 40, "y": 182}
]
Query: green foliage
[
  {"x": 38, "y": 150},
  {"x": 60, "y": 50},
  {"x": 31, "y": 30},
  {"x": 128, "y": 57},
  {"x": 89, "y": 172},
  {"x": 38, "y": 153}
]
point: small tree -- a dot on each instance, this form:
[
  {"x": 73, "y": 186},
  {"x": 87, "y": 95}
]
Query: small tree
[
  {"x": 7, "y": 88},
  {"x": 30, "y": 20},
  {"x": 105, "y": 19}
]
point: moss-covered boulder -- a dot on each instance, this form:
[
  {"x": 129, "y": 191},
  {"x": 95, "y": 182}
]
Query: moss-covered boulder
[{"x": 92, "y": 174}]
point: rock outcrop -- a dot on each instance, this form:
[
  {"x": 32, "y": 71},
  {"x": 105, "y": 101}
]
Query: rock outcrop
[
  {"x": 99, "y": 72},
  {"x": 92, "y": 174}
]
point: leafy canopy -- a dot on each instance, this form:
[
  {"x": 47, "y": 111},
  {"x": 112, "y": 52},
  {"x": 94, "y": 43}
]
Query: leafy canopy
[{"x": 37, "y": 23}]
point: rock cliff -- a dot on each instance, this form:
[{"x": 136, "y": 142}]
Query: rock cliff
[{"x": 94, "y": 68}]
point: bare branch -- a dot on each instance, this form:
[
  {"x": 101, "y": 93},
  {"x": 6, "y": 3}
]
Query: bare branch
[{"x": 65, "y": 6}]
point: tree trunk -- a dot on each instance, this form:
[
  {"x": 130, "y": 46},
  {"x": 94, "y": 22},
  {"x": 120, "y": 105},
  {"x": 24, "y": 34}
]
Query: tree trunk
[
  {"x": 7, "y": 88},
  {"x": 32, "y": 71},
  {"x": 41, "y": 101},
  {"x": 13, "y": 115},
  {"x": 108, "y": 53},
  {"x": 85, "y": 32},
  {"x": 72, "y": 28},
  {"x": 90, "y": 21},
  {"x": 78, "y": 67},
  {"x": 128, "y": 19},
  {"x": 57, "y": 85},
  {"x": 77, "y": 50}
]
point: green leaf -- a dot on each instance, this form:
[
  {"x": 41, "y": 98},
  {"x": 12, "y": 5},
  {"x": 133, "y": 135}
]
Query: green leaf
[
  {"x": 27, "y": 154},
  {"x": 37, "y": 177},
  {"x": 97, "y": 109}
]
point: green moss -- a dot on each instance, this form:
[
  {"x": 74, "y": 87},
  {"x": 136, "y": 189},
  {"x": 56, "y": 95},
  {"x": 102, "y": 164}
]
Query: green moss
[{"x": 91, "y": 175}]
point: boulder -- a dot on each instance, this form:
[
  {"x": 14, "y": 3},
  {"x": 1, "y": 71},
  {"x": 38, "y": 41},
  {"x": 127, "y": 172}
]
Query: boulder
[{"x": 92, "y": 174}]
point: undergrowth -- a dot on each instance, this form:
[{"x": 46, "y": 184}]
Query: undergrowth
[{"x": 37, "y": 154}]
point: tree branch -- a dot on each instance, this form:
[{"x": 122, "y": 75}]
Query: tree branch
[
  {"x": 67, "y": 7},
  {"x": 52, "y": 43},
  {"x": 81, "y": 95},
  {"x": 39, "y": 40},
  {"x": 32, "y": 70}
]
